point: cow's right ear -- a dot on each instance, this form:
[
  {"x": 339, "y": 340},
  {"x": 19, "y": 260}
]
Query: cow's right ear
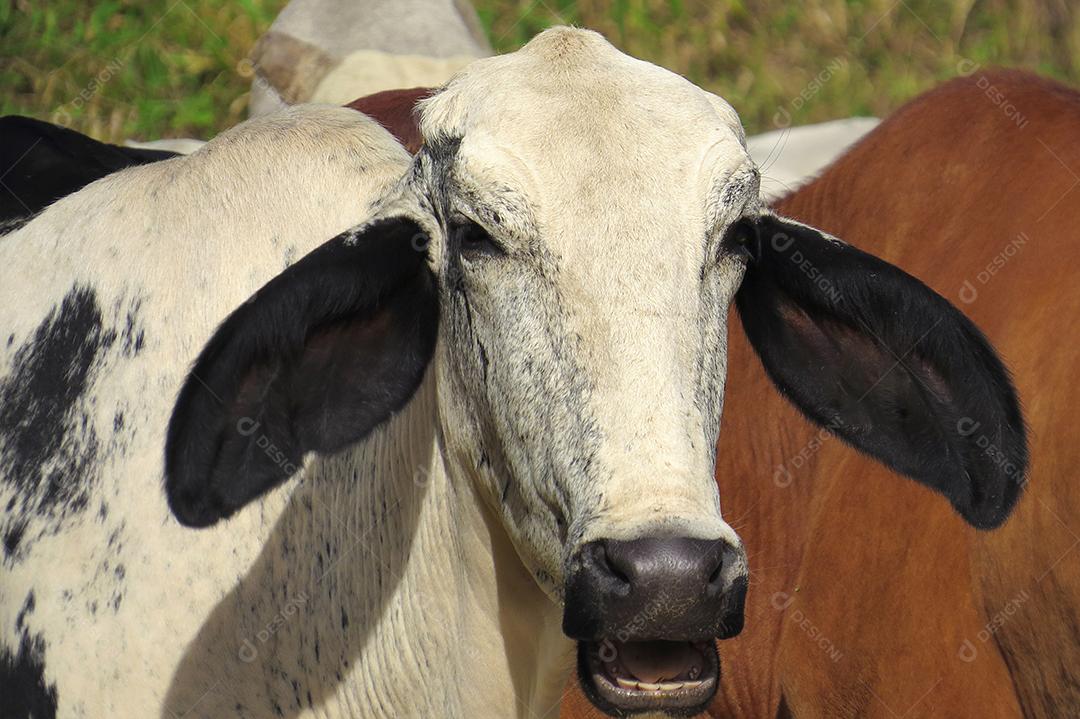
[{"x": 316, "y": 359}]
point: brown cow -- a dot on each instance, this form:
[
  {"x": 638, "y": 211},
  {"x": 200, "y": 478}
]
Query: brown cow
[{"x": 870, "y": 596}]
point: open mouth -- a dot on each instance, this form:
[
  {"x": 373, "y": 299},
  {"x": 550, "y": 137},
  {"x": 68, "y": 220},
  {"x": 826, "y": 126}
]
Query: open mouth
[{"x": 625, "y": 678}]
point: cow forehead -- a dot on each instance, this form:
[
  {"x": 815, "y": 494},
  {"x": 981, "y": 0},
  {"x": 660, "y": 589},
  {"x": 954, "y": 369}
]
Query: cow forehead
[{"x": 569, "y": 104}]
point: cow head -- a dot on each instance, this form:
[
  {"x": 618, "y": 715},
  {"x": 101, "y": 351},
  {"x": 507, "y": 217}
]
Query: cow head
[{"x": 564, "y": 252}]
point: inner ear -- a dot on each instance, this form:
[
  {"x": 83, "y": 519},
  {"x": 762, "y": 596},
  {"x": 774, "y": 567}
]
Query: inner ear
[{"x": 865, "y": 384}]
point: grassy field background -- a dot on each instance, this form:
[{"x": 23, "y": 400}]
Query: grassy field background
[{"x": 172, "y": 68}]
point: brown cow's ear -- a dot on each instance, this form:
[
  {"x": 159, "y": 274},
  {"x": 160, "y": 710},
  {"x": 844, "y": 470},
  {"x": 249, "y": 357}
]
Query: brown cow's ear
[
  {"x": 396, "y": 111},
  {"x": 887, "y": 364},
  {"x": 316, "y": 359}
]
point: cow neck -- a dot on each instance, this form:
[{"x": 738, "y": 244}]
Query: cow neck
[{"x": 421, "y": 591}]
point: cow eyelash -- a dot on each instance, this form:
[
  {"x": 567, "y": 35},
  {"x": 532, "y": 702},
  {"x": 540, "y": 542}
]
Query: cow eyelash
[{"x": 471, "y": 239}]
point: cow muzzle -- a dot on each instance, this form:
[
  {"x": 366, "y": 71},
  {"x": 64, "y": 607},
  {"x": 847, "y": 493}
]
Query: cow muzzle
[{"x": 646, "y": 613}]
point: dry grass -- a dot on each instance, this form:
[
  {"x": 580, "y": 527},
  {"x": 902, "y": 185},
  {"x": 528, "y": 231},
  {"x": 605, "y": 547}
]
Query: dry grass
[{"x": 149, "y": 68}]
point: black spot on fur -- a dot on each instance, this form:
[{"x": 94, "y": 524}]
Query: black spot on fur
[
  {"x": 27, "y": 609},
  {"x": 114, "y": 538},
  {"x": 49, "y": 444},
  {"x": 26, "y": 695},
  {"x": 132, "y": 337},
  {"x": 12, "y": 536},
  {"x": 483, "y": 359}
]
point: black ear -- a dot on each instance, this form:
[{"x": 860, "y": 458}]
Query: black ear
[
  {"x": 43, "y": 162},
  {"x": 319, "y": 357},
  {"x": 885, "y": 363}
]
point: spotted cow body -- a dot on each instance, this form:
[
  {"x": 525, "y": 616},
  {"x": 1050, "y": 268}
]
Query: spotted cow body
[{"x": 90, "y": 361}]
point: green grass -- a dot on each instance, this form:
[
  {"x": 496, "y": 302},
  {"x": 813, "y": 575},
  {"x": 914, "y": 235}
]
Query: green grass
[
  {"x": 130, "y": 68},
  {"x": 168, "y": 68}
]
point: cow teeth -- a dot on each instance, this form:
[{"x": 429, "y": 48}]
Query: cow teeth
[
  {"x": 626, "y": 683},
  {"x": 671, "y": 686},
  {"x": 692, "y": 685},
  {"x": 648, "y": 686}
]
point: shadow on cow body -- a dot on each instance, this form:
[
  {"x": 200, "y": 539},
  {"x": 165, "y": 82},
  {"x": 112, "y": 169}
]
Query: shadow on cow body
[
  {"x": 83, "y": 409},
  {"x": 310, "y": 610}
]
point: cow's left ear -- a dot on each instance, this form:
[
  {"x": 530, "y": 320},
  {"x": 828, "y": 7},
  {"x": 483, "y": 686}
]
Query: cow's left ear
[
  {"x": 885, "y": 363},
  {"x": 316, "y": 359}
]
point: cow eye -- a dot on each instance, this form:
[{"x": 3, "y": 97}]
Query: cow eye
[
  {"x": 741, "y": 239},
  {"x": 473, "y": 240}
]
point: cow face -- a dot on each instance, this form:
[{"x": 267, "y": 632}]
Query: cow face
[
  {"x": 585, "y": 278},
  {"x": 564, "y": 251}
]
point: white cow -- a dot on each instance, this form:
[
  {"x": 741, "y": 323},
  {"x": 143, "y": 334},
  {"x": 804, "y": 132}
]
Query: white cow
[
  {"x": 106, "y": 297},
  {"x": 497, "y": 397},
  {"x": 338, "y": 50}
]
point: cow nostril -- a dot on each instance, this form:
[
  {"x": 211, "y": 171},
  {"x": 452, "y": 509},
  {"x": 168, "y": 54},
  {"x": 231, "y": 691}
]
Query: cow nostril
[
  {"x": 611, "y": 566},
  {"x": 715, "y": 563},
  {"x": 714, "y": 578}
]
